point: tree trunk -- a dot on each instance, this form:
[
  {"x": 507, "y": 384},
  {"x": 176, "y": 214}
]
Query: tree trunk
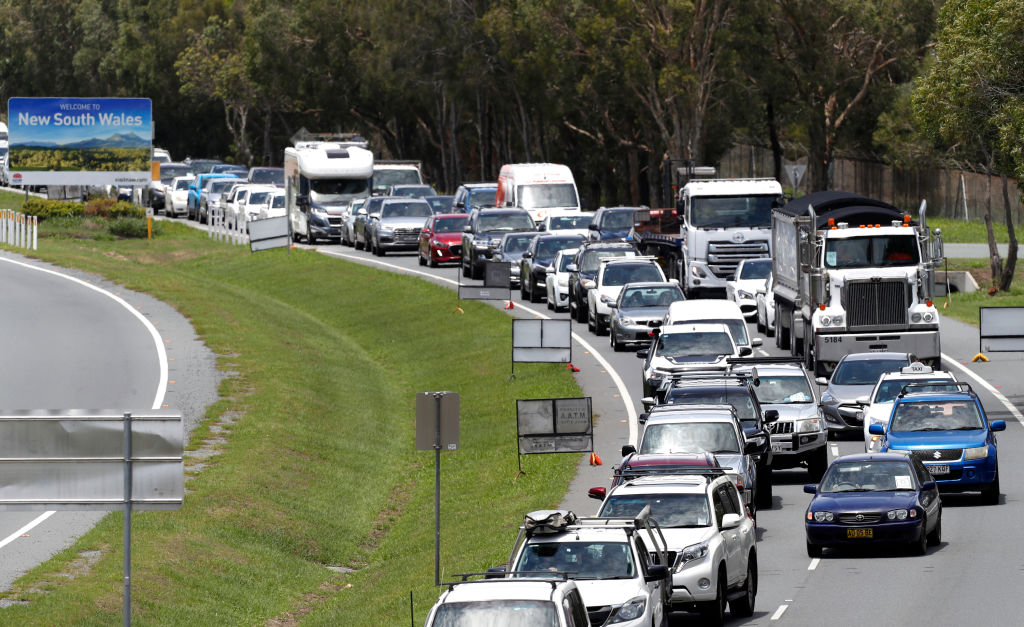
[
  {"x": 1006, "y": 278},
  {"x": 995, "y": 261},
  {"x": 773, "y": 139}
]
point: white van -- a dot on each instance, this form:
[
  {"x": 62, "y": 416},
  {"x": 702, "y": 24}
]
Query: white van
[
  {"x": 713, "y": 310},
  {"x": 537, "y": 187}
]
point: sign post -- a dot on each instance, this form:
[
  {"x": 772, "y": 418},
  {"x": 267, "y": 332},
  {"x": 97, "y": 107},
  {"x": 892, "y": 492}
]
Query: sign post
[
  {"x": 554, "y": 425},
  {"x": 437, "y": 428}
]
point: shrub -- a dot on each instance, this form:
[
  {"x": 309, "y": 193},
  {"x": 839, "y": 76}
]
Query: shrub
[
  {"x": 44, "y": 208},
  {"x": 130, "y": 227},
  {"x": 125, "y": 209},
  {"x": 99, "y": 206}
]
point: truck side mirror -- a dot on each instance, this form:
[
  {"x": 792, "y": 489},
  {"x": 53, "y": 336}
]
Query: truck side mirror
[{"x": 937, "y": 248}]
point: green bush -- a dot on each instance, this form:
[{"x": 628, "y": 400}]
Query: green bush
[
  {"x": 44, "y": 208},
  {"x": 132, "y": 226},
  {"x": 111, "y": 208}
]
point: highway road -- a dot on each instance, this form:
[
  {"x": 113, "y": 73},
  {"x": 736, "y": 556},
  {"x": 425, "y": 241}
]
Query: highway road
[
  {"x": 73, "y": 341},
  {"x": 973, "y": 576}
]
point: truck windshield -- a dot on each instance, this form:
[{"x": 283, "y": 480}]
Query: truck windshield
[
  {"x": 547, "y": 195},
  {"x": 670, "y": 510},
  {"x": 722, "y": 212},
  {"x": 690, "y": 437},
  {"x": 872, "y": 251},
  {"x": 936, "y": 416},
  {"x": 346, "y": 188},
  {"x": 383, "y": 179},
  {"x": 500, "y": 613}
]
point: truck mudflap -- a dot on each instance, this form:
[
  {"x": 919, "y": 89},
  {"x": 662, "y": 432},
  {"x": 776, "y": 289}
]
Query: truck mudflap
[{"x": 830, "y": 348}]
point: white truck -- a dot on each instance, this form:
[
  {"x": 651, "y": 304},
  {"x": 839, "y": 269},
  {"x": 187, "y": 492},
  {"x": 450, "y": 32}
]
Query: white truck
[
  {"x": 539, "y": 188},
  {"x": 853, "y": 275},
  {"x": 321, "y": 180},
  {"x": 395, "y": 172}
]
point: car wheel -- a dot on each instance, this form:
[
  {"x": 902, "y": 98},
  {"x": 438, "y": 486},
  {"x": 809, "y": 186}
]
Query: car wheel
[
  {"x": 310, "y": 239},
  {"x": 615, "y": 344},
  {"x": 380, "y": 251},
  {"x": 763, "y": 491},
  {"x": 433, "y": 262},
  {"x": 465, "y": 269},
  {"x": 744, "y": 606},
  {"x": 990, "y": 493},
  {"x": 535, "y": 297},
  {"x": 818, "y": 463},
  {"x": 813, "y": 550},
  {"x": 550, "y": 300},
  {"x": 920, "y": 546},
  {"x": 713, "y": 612},
  {"x": 357, "y": 245},
  {"x": 760, "y": 327},
  {"x": 590, "y": 322},
  {"x": 523, "y": 294},
  {"x": 935, "y": 537},
  {"x": 419, "y": 258}
]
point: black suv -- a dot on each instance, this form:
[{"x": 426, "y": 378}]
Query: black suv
[
  {"x": 738, "y": 391},
  {"x": 583, "y": 270},
  {"x": 538, "y": 259},
  {"x": 483, "y": 232}
]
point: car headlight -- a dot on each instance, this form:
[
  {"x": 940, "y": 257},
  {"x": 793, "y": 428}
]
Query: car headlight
[
  {"x": 977, "y": 452},
  {"x": 691, "y": 553},
  {"x": 744, "y": 294},
  {"x": 438, "y": 244},
  {"x": 900, "y": 514},
  {"x": 656, "y": 375},
  {"x": 588, "y": 284},
  {"x": 809, "y": 425},
  {"x": 630, "y": 610},
  {"x": 607, "y": 299},
  {"x": 821, "y": 516},
  {"x": 320, "y": 211},
  {"x": 625, "y": 320}
]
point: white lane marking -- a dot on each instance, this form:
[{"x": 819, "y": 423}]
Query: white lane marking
[
  {"x": 779, "y": 612},
  {"x": 946, "y": 359},
  {"x": 17, "y": 534},
  {"x": 814, "y": 563},
  {"x": 627, "y": 400},
  {"x": 835, "y": 450},
  {"x": 763, "y": 352},
  {"x": 161, "y": 389}
]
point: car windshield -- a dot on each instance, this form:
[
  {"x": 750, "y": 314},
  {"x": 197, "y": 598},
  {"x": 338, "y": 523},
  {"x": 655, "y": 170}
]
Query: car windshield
[
  {"x": 871, "y": 252},
  {"x": 216, "y": 187},
  {"x": 449, "y": 225},
  {"x": 557, "y": 223},
  {"x": 620, "y": 274},
  {"x": 889, "y": 389},
  {"x": 406, "y": 210},
  {"x": 719, "y": 212},
  {"x": 349, "y": 188},
  {"x": 417, "y": 191},
  {"x": 738, "y": 398},
  {"x": 589, "y": 560},
  {"x": 737, "y": 327},
  {"x": 592, "y": 258},
  {"x": 670, "y": 510},
  {"x": 481, "y": 198},
  {"x": 936, "y": 416},
  {"x": 868, "y": 476},
  {"x": 636, "y": 297},
  {"x": 182, "y": 184},
  {"x": 441, "y": 204},
  {"x": 782, "y": 390},
  {"x": 865, "y": 371},
  {"x": 694, "y": 344},
  {"x": 617, "y": 220},
  {"x": 383, "y": 179},
  {"x": 690, "y": 437},
  {"x": 505, "y": 222},
  {"x": 756, "y": 269},
  {"x": 258, "y": 198},
  {"x": 497, "y": 613},
  {"x": 548, "y": 195},
  {"x": 170, "y": 172},
  {"x": 517, "y": 244},
  {"x": 267, "y": 176},
  {"x": 548, "y": 248}
]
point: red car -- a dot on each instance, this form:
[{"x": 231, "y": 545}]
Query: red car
[
  {"x": 636, "y": 465},
  {"x": 441, "y": 239}
]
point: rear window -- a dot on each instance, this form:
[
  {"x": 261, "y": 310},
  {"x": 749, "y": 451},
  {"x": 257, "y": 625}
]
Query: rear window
[
  {"x": 865, "y": 371},
  {"x": 592, "y": 258}
]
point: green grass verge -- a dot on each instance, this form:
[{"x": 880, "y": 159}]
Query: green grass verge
[
  {"x": 320, "y": 468},
  {"x": 964, "y": 307},
  {"x": 959, "y": 232},
  {"x": 11, "y": 200}
]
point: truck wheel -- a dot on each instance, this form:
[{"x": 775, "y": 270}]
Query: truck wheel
[
  {"x": 782, "y": 334},
  {"x": 808, "y": 357},
  {"x": 743, "y": 606}
]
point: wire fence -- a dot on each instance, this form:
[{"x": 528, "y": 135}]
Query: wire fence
[{"x": 954, "y": 190}]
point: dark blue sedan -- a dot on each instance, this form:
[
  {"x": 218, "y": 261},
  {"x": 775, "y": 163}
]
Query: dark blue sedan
[{"x": 884, "y": 498}]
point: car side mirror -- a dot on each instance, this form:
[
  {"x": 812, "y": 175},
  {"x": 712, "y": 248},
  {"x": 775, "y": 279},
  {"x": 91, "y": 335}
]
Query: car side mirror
[
  {"x": 467, "y": 229},
  {"x": 771, "y": 415},
  {"x": 997, "y": 425},
  {"x": 648, "y": 402},
  {"x": 674, "y": 281},
  {"x": 571, "y": 268},
  {"x": 751, "y": 447},
  {"x": 375, "y": 216},
  {"x": 746, "y": 351},
  {"x": 657, "y": 572},
  {"x": 756, "y": 342},
  {"x": 497, "y": 572},
  {"x": 876, "y": 429},
  {"x": 550, "y": 270},
  {"x": 628, "y": 449},
  {"x": 731, "y": 521},
  {"x": 821, "y": 381},
  {"x": 642, "y": 418},
  {"x": 527, "y": 255},
  {"x": 597, "y": 493},
  {"x": 811, "y": 488},
  {"x": 361, "y": 212},
  {"x": 592, "y": 227},
  {"x": 643, "y": 353},
  {"x": 613, "y": 305}
]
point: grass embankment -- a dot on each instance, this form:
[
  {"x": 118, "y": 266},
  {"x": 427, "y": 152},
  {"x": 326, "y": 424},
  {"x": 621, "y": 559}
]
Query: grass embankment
[
  {"x": 320, "y": 468},
  {"x": 959, "y": 232}
]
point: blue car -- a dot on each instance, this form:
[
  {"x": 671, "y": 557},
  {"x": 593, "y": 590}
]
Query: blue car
[
  {"x": 949, "y": 432},
  {"x": 869, "y": 499},
  {"x": 612, "y": 223}
]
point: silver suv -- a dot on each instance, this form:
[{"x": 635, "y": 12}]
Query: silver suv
[
  {"x": 548, "y": 601},
  {"x": 397, "y": 226}
]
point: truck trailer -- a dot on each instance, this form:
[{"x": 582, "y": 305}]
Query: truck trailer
[{"x": 853, "y": 275}]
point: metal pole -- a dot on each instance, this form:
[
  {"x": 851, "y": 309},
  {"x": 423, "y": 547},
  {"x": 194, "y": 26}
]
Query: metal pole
[
  {"x": 127, "y": 612},
  {"x": 437, "y": 490}
]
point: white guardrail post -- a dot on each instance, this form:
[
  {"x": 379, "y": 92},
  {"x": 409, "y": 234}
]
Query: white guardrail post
[{"x": 18, "y": 229}]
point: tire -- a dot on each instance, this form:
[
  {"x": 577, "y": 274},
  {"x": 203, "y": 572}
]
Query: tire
[
  {"x": 615, "y": 345},
  {"x": 920, "y": 546},
  {"x": 990, "y": 493},
  {"x": 465, "y": 269},
  {"x": 433, "y": 262},
  {"x": 419, "y": 258},
  {"x": 935, "y": 537},
  {"x": 760, "y": 327},
  {"x": 813, "y": 550},
  {"x": 590, "y": 322},
  {"x": 550, "y": 300},
  {"x": 713, "y": 612},
  {"x": 535, "y": 297},
  {"x": 310, "y": 238},
  {"x": 743, "y": 607},
  {"x": 380, "y": 251},
  {"x": 522, "y": 291},
  {"x": 818, "y": 463},
  {"x": 764, "y": 488},
  {"x": 475, "y": 273}
]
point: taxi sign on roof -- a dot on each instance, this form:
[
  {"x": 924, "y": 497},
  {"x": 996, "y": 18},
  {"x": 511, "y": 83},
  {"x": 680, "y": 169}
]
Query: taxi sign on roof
[{"x": 916, "y": 368}]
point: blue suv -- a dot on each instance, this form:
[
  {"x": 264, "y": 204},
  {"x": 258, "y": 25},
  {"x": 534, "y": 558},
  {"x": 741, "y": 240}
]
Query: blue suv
[{"x": 951, "y": 435}]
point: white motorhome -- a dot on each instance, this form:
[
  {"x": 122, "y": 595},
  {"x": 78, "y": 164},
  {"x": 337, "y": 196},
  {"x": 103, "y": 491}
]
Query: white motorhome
[
  {"x": 537, "y": 187},
  {"x": 394, "y": 172},
  {"x": 321, "y": 180}
]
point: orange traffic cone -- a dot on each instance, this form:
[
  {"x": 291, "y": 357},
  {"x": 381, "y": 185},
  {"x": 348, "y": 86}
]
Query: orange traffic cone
[
  {"x": 592, "y": 459},
  {"x": 597, "y": 459},
  {"x": 569, "y": 366},
  {"x": 509, "y": 305}
]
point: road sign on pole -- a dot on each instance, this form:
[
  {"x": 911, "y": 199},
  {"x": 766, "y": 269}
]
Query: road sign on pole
[
  {"x": 437, "y": 427},
  {"x": 795, "y": 173}
]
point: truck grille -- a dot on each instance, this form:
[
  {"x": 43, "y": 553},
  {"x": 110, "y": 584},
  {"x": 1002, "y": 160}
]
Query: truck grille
[
  {"x": 873, "y": 304},
  {"x": 723, "y": 257},
  {"x": 780, "y": 428}
]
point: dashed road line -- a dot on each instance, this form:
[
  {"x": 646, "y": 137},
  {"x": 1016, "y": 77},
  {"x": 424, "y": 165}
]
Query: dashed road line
[
  {"x": 946, "y": 359},
  {"x": 779, "y": 612}
]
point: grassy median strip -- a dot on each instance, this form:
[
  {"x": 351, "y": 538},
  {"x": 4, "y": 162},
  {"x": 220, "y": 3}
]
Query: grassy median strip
[{"x": 320, "y": 467}]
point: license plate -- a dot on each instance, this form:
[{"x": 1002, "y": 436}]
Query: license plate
[
  {"x": 938, "y": 469},
  {"x": 860, "y": 533},
  {"x": 777, "y": 447}
]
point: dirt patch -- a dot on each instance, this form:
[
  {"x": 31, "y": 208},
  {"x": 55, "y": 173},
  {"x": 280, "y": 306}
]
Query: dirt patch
[{"x": 114, "y": 255}]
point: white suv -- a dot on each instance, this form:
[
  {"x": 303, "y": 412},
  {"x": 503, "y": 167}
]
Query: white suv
[
  {"x": 683, "y": 348},
  {"x": 612, "y": 274},
  {"x": 711, "y": 541},
  {"x": 557, "y": 280},
  {"x": 610, "y": 559},
  {"x": 512, "y": 602},
  {"x": 878, "y": 405}
]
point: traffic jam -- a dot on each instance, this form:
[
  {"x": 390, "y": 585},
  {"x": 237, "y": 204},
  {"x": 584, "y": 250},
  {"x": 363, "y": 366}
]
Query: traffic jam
[{"x": 768, "y": 333}]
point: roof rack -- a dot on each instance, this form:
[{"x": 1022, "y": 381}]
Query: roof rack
[
  {"x": 671, "y": 469},
  {"x": 635, "y": 258},
  {"x": 742, "y": 361},
  {"x": 696, "y": 407},
  {"x": 960, "y": 386},
  {"x": 552, "y": 577}
]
